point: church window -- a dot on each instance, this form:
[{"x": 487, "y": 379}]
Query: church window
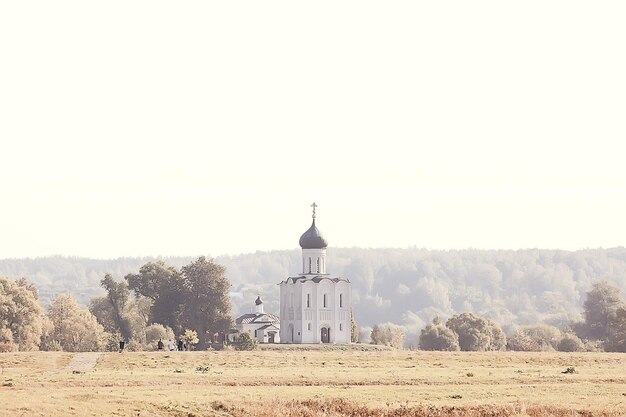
[
  {"x": 309, "y": 327},
  {"x": 340, "y": 300},
  {"x": 255, "y": 333},
  {"x": 325, "y": 303},
  {"x": 340, "y": 327},
  {"x": 309, "y": 265},
  {"x": 318, "y": 265},
  {"x": 308, "y": 301}
]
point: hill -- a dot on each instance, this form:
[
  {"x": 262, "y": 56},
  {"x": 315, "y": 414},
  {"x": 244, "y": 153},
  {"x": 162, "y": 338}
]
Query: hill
[{"x": 403, "y": 286}]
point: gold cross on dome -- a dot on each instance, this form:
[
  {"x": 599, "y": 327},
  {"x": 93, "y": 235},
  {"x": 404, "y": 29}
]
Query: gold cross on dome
[{"x": 314, "y": 205}]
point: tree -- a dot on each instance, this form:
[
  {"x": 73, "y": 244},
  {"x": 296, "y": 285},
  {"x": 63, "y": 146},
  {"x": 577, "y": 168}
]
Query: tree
[
  {"x": 163, "y": 285},
  {"x": 6, "y": 340},
  {"x": 118, "y": 295},
  {"x": 570, "y": 343},
  {"x": 190, "y": 337},
  {"x": 436, "y": 336},
  {"x": 75, "y": 329},
  {"x": 207, "y": 303},
  {"x": 616, "y": 341},
  {"x": 601, "y": 305},
  {"x": 535, "y": 338},
  {"x": 477, "y": 333},
  {"x": 156, "y": 331},
  {"x": 387, "y": 334},
  {"x": 354, "y": 328},
  {"x": 21, "y": 314},
  {"x": 246, "y": 342}
]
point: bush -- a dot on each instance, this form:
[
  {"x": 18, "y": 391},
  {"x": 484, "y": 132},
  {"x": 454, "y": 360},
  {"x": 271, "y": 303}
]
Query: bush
[
  {"x": 156, "y": 331},
  {"x": 477, "y": 333},
  {"x": 387, "y": 334},
  {"x": 438, "y": 337},
  {"x": 6, "y": 340},
  {"x": 570, "y": 343},
  {"x": 245, "y": 342},
  {"x": 535, "y": 338}
]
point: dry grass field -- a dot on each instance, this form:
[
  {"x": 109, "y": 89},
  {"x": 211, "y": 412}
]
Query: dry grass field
[{"x": 312, "y": 382}]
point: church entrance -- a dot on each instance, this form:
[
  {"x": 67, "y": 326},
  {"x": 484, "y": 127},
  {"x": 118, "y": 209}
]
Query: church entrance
[
  {"x": 271, "y": 336},
  {"x": 290, "y": 333},
  {"x": 325, "y": 334}
]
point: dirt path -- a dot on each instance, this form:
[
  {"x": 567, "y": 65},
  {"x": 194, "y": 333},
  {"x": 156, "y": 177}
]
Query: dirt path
[{"x": 82, "y": 362}]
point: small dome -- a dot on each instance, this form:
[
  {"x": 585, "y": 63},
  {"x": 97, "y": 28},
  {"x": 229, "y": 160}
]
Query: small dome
[
  {"x": 313, "y": 239},
  {"x": 258, "y": 301}
]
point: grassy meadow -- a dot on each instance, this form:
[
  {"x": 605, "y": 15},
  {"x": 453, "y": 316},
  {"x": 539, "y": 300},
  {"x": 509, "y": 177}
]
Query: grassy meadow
[{"x": 312, "y": 382}]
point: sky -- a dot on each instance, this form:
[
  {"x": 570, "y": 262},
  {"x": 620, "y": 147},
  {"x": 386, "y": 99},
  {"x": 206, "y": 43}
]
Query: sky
[{"x": 152, "y": 128}]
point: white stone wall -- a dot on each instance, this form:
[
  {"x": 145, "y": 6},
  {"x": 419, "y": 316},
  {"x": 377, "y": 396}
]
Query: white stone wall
[{"x": 302, "y": 308}]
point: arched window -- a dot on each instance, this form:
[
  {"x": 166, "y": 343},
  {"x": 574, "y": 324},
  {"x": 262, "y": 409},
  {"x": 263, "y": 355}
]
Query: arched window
[
  {"x": 308, "y": 301},
  {"x": 325, "y": 301},
  {"x": 318, "y": 265},
  {"x": 340, "y": 300},
  {"x": 309, "y": 327},
  {"x": 309, "y": 265},
  {"x": 340, "y": 327}
]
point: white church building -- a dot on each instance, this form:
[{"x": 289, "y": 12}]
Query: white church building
[
  {"x": 262, "y": 326},
  {"x": 315, "y": 305}
]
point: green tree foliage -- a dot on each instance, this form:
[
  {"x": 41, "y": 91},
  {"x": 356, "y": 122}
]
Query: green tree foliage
[
  {"x": 477, "y": 333},
  {"x": 207, "y": 305},
  {"x": 616, "y": 340},
  {"x": 436, "y": 336},
  {"x": 75, "y": 329},
  {"x": 118, "y": 295},
  {"x": 246, "y": 342},
  {"x": 6, "y": 340},
  {"x": 354, "y": 328},
  {"x": 601, "y": 305},
  {"x": 154, "y": 332},
  {"x": 120, "y": 312},
  {"x": 20, "y": 313},
  {"x": 190, "y": 337},
  {"x": 570, "y": 343},
  {"x": 387, "y": 334},
  {"x": 163, "y": 285},
  {"x": 535, "y": 338}
]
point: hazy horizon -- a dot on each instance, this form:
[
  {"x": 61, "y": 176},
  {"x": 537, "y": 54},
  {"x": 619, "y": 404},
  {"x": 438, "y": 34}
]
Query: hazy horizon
[{"x": 138, "y": 129}]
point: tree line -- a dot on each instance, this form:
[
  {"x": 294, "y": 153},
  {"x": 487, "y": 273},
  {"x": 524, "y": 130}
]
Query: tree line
[
  {"x": 603, "y": 328},
  {"x": 158, "y": 302}
]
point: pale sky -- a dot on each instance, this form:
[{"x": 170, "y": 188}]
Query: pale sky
[{"x": 183, "y": 128}]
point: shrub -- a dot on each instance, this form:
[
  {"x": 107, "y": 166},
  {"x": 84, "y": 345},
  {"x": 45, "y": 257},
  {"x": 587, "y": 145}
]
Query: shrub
[
  {"x": 6, "y": 340},
  {"x": 477, "y": 333},
  {"x": 570, "y": 343},
  {"x": 535, "y": 338},
  {"x": 387, "y": 334},
  {"x": 438, "y": 337},
  {"x": 245, "y": 342},
  {"x": 156, "y": 331}
]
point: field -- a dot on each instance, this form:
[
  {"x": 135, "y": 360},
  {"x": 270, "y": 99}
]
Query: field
[{"x": 315, "y": 382}]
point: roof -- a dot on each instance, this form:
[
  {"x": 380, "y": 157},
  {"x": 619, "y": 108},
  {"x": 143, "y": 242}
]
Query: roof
[
  {"x": 269, "y": 326},
  {"x": 257, "y": 318},
  {"x": 313, "y": 239}
]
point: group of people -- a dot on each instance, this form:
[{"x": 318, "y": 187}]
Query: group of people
[{"x": 180, "y": 345}]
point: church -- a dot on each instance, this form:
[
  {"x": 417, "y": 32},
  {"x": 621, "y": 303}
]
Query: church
[{"x": 315, "y": 305}]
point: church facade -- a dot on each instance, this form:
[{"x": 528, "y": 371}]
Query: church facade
[{"x": 315, "y": 305}]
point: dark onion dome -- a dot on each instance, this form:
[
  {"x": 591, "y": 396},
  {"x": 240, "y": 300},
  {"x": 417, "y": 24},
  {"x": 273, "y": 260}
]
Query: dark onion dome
[
  {"x": 258, "y": 301},
  {"x": 313, "y": 239}
]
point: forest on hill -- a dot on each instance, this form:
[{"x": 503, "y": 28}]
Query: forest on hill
[{"x": 407, "y": 287}]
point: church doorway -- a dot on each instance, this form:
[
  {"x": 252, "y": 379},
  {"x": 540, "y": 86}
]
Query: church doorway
[
  {"x": 271, "y": 337},
  {"x": 325, "y": 334},
  {"x": 290, "y": 333}
]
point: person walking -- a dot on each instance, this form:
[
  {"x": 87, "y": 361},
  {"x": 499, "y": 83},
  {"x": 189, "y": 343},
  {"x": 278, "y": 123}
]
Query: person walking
[
  {"x": 160, "y": 345},
  {"x": 170, "y": 345}
]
